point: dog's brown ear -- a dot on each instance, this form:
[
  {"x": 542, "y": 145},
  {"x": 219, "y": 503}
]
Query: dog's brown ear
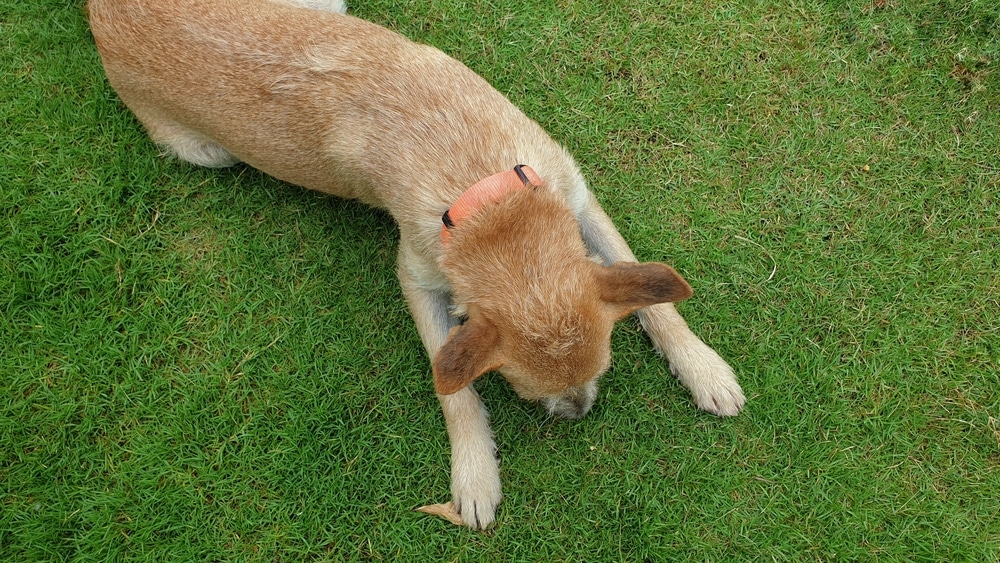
[
  {"x": 469, "y": 352},
  {"x": 630, "y": 286}
]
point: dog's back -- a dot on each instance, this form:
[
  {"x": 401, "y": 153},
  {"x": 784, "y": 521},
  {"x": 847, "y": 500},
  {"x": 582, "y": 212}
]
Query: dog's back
[{"x": 318, "y": 99}]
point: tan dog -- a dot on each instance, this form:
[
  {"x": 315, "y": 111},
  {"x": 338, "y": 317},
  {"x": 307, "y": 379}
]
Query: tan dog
[{"x": 339, "y": 105}]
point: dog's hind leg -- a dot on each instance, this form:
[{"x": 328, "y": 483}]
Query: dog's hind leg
[
  {"x": 181, "y": 142},
  {"x": 699, "y": 368},
  {"x": 193, "y": 148},
  {"x": 338, "y": 6}
]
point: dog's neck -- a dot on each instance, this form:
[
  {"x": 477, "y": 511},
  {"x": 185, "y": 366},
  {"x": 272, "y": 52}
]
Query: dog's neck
[{"x": 487, "y": 191}]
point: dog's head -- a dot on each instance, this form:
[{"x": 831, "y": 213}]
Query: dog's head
[{"x": 538, "y": 309}]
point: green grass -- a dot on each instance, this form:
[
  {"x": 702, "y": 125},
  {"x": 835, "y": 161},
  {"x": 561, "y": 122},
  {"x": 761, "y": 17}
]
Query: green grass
[{"x": 208, "y": 365}]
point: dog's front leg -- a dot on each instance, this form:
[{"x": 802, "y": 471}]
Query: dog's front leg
[
  {"x": 711, "y": 381},
  {"x": 475, "y": 472}
]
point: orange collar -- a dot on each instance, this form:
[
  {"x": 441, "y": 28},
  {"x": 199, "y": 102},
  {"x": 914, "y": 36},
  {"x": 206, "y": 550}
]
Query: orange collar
[{"x": 488, "y": 190}]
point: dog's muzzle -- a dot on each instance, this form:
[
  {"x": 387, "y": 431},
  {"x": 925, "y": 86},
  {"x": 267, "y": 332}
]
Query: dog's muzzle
[{"x": 575, "y": 403}]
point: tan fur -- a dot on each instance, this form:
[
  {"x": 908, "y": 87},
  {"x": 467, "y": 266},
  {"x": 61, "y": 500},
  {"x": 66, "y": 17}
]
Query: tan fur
[{"x": 339, "y": 105}]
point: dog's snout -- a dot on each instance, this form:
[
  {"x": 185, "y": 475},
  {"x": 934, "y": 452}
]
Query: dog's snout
[
  {"x": 575, "y": 403},
  {"x": 571, "y": 407}
]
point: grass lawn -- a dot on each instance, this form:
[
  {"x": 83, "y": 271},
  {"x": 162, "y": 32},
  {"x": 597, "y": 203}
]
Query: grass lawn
[{"x": 204, "y": 365}]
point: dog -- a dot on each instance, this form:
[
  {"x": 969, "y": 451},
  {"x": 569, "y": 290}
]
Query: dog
[{"x": 507, "y": 261}]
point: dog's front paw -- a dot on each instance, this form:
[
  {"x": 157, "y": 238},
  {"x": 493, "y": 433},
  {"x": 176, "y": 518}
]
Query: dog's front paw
[
  {"x": 720, "y": 394},
  {"x": 478, "y": 510},
  {"x": 476, "y": 493},
  {"x": 711, "y": 381}
]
